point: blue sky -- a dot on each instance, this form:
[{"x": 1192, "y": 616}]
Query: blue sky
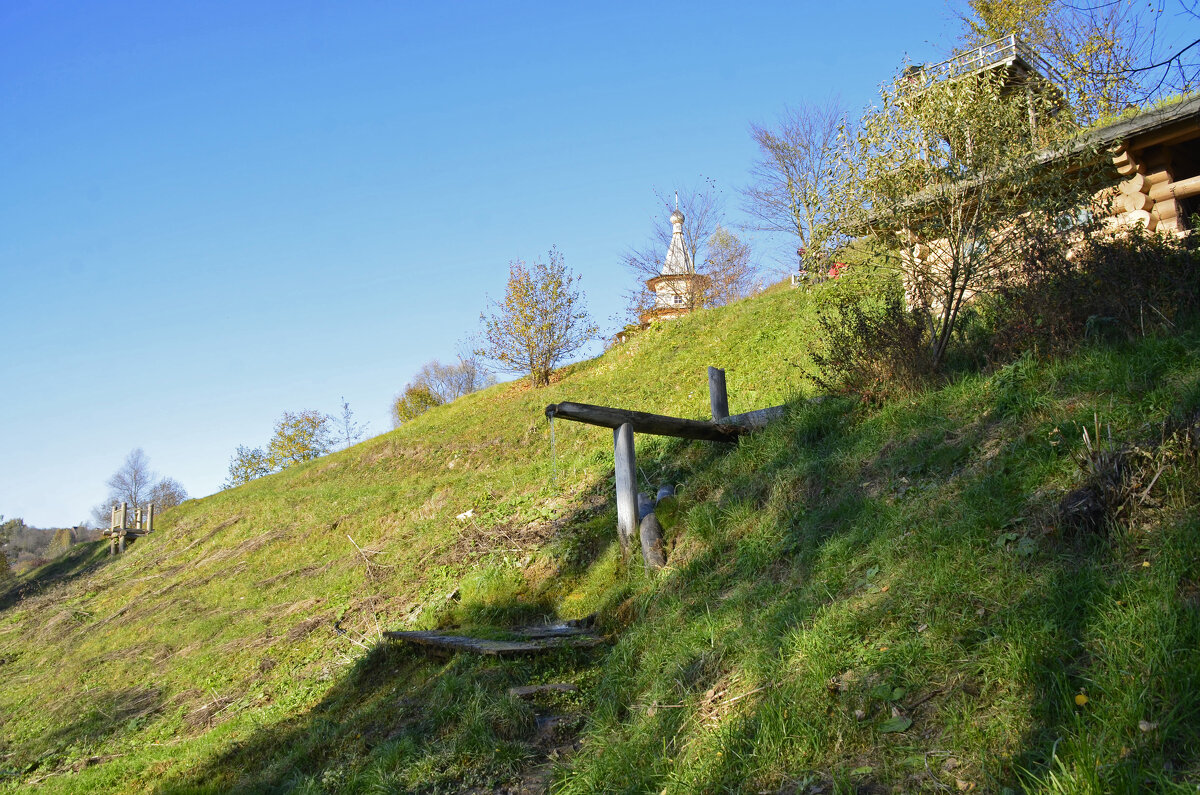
[{"x": 214, "y": 212}]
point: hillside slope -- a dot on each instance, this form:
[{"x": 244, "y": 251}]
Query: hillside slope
[{"x": 856, "y": 598}]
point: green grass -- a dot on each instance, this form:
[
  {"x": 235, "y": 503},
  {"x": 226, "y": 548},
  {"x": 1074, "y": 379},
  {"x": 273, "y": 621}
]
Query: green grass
[{"x": 847, "y": 565}]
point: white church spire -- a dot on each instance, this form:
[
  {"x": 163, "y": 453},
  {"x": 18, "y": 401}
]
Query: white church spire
[{"x": 677, "y": 262}]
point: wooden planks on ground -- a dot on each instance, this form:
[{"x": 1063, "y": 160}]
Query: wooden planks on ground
[
  {"x": 576, "y": 639},
  {"x": 529, "y": 691}
]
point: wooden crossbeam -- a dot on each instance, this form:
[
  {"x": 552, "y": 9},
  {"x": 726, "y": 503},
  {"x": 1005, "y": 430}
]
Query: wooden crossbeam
[
  {"x": 624, "y": 423},
  {"x": 643, "y": 422},
  {"x": 726, "y": 430}
]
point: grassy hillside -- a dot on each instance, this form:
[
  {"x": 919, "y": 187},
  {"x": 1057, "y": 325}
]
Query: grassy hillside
[{"x": 857, "y": 598}]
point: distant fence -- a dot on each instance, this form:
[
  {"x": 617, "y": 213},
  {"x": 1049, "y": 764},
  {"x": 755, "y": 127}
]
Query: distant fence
[{"x": 124, "y": 524}]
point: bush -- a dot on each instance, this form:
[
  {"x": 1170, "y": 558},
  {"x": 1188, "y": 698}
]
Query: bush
[
  {"x": 873, "y": 346},
  {"x": 1112, "y": 287},
  {"x": 414, "y": 401}
]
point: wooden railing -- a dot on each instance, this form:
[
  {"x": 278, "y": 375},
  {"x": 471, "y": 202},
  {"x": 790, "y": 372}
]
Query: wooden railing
[
  {"x": 125, "y": 524},
  {"x": 1001, "y": 51}
]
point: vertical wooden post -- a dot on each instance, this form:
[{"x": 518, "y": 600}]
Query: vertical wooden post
[
  {"x": 121, "y": 544},
  {"x": 123, "y": 515},
  {"x": 1032, "y": 114},
  {"x": 626, "y": 477},
  {"x": 137, "y": 519},
  {"x": 717, "y": 397},
  {"x": 150, "y": 518}
]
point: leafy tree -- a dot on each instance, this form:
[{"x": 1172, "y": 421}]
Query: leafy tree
[
  {"x": 8, "y": 529},
  {"x": 64, "y": 538},
  {"x": 415, "y": 400},
  {"x": 349, "y": 431},
  {"x": 248, "y": 463},
  {"x": 299, "y": 436},
  {"x": 797, "y": 168},
  {"x": 950, "y": 181},
  {"x": 540, "y": 322}
]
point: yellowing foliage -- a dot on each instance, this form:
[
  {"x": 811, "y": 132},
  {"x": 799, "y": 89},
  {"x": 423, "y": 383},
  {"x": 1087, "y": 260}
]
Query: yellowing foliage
[
  {"x": 540, "y": 322},
  {"x": 299, "y": 436}
]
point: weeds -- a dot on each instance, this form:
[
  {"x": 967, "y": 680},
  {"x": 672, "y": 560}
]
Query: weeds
[
  {"x": 871, "y": 348},
  {"x": 1123, "y": 286}
]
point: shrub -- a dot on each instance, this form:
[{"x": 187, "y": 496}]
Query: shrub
[
  {"x": 1112, "y": 287},
  {"x": 873, "y": 346},
  {"x": 414, "y": 401}
]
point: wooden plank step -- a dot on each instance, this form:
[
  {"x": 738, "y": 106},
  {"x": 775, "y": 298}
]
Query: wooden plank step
[
  {"x": 494, "y": 648},
  {"x": 564, "y": 630},
  {"x": 528, "y": 691}
]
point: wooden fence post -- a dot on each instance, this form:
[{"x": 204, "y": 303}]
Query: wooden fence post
[
  {"x": 150, "y": 518},
  {"x": 652, "y": 547},
  {"x": 717, "y": 396},
  {"x": 645, "y": 505},
  {"x": 626, "y": 477}
]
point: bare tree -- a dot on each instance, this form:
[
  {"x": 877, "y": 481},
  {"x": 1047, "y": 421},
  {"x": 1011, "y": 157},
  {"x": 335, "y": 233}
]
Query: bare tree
[
  {"x": 1167, "y": 39},
  {"x": 703, "y": 212},
  {"x": 731, "y": 273},
  {"x": 136, "y": 484},
  {"x": 796, "y": 171},
  {"x": 348, "y": 430},
  {"x": 1106, "y": 55},
  {"x": 133, "y": 481},
  {"x": 167, "y": 493},
  {"x": 450, "y": 381}
]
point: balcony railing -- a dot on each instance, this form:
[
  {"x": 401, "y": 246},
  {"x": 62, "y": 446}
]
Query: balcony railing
[{"x": 1007, "y": 50}]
